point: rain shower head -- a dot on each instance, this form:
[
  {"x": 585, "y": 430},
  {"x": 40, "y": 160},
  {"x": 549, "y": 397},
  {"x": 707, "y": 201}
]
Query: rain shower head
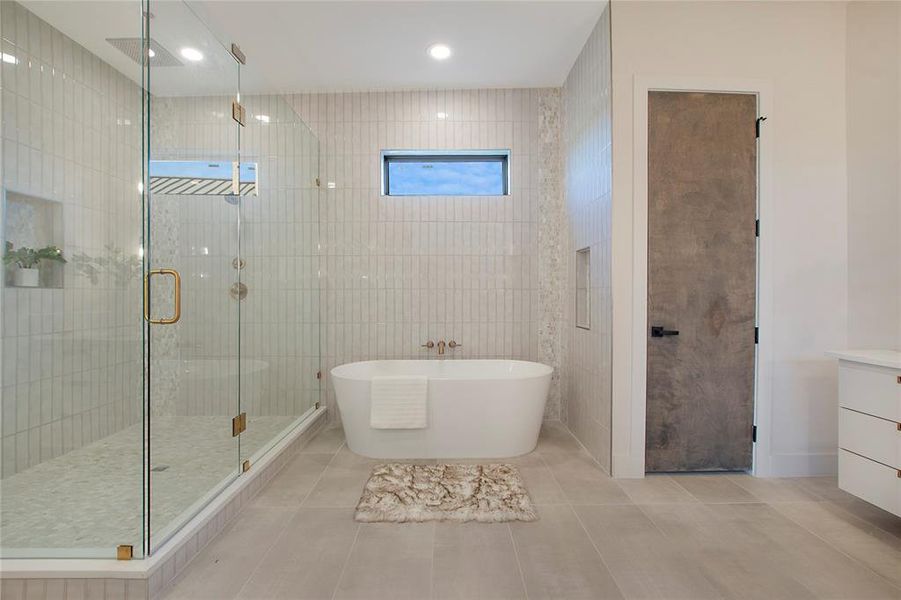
[{"x": 131, "y": 47}]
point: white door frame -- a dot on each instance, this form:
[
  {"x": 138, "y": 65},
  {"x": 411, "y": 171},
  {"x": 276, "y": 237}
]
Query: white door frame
[{"x": 764, "y": 361}]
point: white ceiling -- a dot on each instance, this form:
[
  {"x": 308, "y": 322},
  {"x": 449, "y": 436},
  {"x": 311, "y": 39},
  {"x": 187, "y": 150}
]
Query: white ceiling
[
  {"x": 296, "y": 46},
  {"x": 379, "y": 45}
]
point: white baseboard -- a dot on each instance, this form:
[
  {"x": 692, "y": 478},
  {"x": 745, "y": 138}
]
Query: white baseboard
[{"x": 803, "y": 465}]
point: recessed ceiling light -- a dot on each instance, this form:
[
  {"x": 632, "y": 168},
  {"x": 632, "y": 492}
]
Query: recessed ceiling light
[
  {"x": 150, "y": 52},
  {"x": 263, "y": 118},
  {"x": 439, "y": 51},
  {"x": 441, "y": 116},
  {"x": 192, "y": 54}
]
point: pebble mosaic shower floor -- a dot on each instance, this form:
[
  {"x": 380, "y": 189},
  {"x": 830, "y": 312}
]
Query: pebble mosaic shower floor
[{"x": 90, "y": 499}]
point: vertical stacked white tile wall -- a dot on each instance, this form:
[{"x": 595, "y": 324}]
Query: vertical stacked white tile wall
[
  {"x": 400, "y": 271},
  {"x": 71, "y": 135},
  {"x": 587, "y": 149}
]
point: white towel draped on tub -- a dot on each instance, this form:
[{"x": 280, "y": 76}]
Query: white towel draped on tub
[{"x": 398, "y": 402}]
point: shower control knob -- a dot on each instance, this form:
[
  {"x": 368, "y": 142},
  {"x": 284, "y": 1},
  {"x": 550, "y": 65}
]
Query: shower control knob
[
  {"x": 453, "y": 344},
  {"x": 429, "y": 344}
]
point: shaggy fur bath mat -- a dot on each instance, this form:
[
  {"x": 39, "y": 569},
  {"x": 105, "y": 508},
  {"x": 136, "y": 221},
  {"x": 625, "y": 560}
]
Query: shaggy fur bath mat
[{"x": 401, "y": 493}]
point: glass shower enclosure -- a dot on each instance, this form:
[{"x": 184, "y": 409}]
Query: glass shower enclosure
[{"x": 171, "y": 337}]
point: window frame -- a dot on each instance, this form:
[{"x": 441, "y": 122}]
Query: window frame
[{"x": 500, "y": 155}]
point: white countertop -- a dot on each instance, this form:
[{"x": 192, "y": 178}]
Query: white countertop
[{"x": 880, "y": 358}]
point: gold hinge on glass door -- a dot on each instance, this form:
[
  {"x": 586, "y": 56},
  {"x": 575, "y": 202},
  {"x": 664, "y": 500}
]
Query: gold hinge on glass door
[
  {"x": 238, "y": 112},
  {"x": 239, "y": 424}
]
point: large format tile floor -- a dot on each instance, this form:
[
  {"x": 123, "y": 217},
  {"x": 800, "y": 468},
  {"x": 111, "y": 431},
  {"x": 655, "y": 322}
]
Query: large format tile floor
[{"x": 692, "y": 537}]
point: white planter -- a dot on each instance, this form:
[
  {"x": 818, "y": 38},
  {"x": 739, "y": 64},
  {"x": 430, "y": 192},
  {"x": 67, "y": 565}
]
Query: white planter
[{"x": 27, "y": 277}]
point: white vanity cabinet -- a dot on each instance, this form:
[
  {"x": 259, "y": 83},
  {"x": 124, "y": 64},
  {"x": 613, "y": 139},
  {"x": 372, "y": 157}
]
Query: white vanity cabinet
[{"x": 869, "y": 426}]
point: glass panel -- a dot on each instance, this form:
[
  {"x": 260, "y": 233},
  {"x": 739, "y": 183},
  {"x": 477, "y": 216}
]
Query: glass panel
[
  {"x": 71, "y": 333},
  {"x": 194, "y": 362},
  {"x": 280, "y": 253}
]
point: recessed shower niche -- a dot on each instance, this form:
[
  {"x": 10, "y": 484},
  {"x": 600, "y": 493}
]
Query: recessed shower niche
[{"x": 33, "y": 241}]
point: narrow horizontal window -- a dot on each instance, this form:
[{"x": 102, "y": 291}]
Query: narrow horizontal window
[{"x": 446, "y": 173}]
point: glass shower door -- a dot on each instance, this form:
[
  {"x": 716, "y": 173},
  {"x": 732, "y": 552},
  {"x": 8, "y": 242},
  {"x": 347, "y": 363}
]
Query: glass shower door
[
  {"x": 280, "y": 349},
  {"x": 192, "y": 270}
]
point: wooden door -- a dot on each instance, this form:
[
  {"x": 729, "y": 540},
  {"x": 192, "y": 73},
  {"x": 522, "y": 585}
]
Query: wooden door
[{"x": 702, "y": 258}]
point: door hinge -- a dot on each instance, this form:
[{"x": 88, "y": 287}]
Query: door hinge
[
  {"x": 318, "y": 374},
  {"x": 239, "y": 424},
  {"x": 757, "y": 126},
  {"x": 757, "y": 335},
  {"x": 238, "y": 112},
  {"x": 757, "y": 228},
  {"x": 754, "y": 434},
  {"x": 125, "y": 552},
  {"x": 239, "y": 56},
  {"x": 318, "y": 182}
]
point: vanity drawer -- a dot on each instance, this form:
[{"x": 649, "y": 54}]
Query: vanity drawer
[
  {"x": 874, "y": 482},
  {"x": 869, "y": 436},
  {"x": 871, "y": 390}
]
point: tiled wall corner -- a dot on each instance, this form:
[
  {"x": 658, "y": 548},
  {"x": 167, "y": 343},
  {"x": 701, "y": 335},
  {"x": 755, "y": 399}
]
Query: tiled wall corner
[{"x": 588, "y": 174}]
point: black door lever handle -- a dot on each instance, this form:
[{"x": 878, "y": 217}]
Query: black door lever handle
[{"x": 657, "y": 331}]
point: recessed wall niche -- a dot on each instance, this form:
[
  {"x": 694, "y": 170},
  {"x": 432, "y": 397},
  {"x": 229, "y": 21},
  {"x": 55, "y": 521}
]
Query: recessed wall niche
[
  {"x": 583, "y": 288},
  {"x": 36, "y": 223}
]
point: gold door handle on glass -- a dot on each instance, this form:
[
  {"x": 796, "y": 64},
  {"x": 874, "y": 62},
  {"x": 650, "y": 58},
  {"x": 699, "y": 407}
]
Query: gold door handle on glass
[{"x": 177, "y": 300}]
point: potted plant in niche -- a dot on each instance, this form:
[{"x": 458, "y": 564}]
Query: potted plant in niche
[{"x": 27, "y": 261}]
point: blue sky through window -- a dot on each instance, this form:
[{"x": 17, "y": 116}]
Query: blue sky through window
[{"x": 452, "y": 176}]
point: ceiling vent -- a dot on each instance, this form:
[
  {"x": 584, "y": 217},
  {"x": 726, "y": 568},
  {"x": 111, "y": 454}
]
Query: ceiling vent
[{"x": 131, "y": 47}]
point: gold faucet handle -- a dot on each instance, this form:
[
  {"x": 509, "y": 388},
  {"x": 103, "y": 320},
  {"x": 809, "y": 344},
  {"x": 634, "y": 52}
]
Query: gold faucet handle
[
  {"x": 429, "y": 344},
  {"x": 453, "y": 344}
]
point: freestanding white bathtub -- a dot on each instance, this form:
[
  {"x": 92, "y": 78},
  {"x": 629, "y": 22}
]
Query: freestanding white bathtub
[{"x": 476, "y": 408}]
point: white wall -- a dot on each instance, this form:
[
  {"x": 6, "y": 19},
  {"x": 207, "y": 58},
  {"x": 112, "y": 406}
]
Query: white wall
[
  {"x": 874, "y": 168},
  {"x": 799, "y": 50},
  {"x": 587, "y": 153},
  {"x": 398, "y": 271}
]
